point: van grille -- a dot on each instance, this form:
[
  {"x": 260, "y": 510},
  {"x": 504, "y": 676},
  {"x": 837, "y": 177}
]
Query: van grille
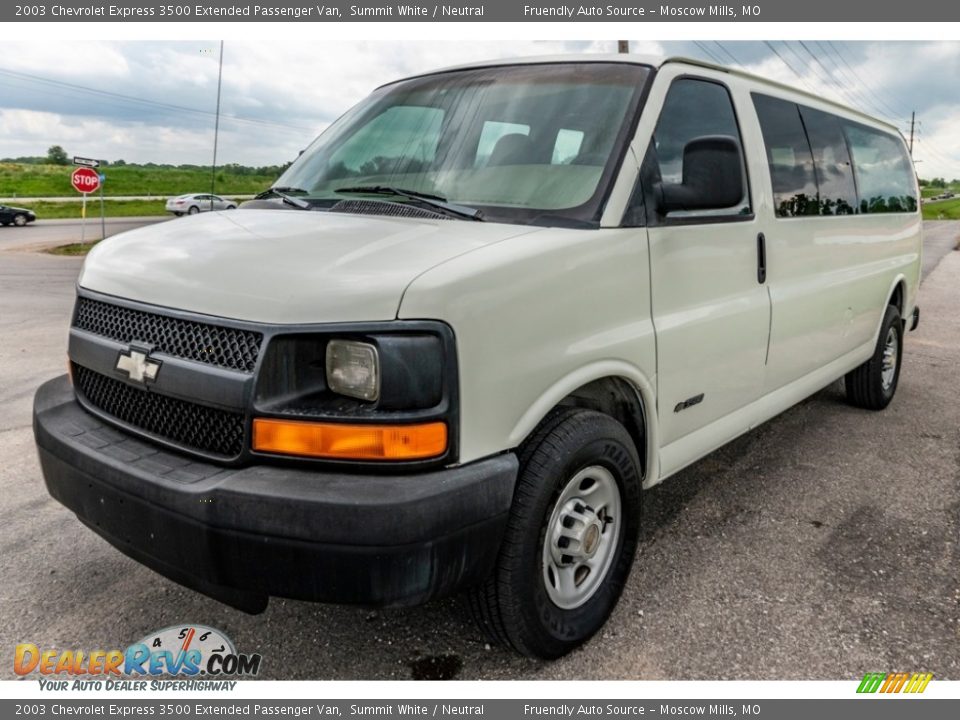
[
  {"x": 193, "y": 426},
  {"x": 212, "y": 344}
]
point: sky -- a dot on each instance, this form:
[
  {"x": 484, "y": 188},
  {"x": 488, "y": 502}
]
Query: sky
[{"x": 154, "y": 101}]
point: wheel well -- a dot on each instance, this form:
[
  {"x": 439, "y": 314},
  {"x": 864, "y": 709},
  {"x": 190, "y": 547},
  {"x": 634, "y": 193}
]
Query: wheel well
[
  {"x": 617, "y": 398},
  {"x": 896, "y": 299}
]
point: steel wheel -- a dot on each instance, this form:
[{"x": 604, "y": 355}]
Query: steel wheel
[
  {"x": 581, "y": 537},
  {"x": 888, "y": 364}
]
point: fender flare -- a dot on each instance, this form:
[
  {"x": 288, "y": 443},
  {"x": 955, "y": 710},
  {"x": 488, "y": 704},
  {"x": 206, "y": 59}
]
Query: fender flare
[{"x": 638, "y": 381}]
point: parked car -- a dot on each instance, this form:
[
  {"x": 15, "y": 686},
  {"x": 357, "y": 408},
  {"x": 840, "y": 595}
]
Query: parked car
[
  {"x": 16, "y": 216},
  {"x": 501, "y": 302},
  {"x": 198, "y": 203}
]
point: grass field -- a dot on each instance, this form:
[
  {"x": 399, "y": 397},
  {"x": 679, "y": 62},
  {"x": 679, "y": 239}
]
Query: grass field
[
  {"x": 73, "y": 249},
  {"x": 54, "y": 181},
  {"x": 943, "y": 210},
  {"x": 931, "y": 191},
  {"x": 112, "y": 208}
]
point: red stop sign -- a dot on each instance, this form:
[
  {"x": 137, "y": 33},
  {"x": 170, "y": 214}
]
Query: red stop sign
[{"x": 85, "y": 180}]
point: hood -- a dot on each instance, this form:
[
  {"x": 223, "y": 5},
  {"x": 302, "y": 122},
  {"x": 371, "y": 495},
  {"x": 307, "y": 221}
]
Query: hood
[{"x": 281, "y": 267}]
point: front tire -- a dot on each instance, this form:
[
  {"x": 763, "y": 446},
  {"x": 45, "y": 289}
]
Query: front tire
[
  {"x": 194, "y": 210},
  {"x": 19, "y": 220},
  {"x": 873, "y": 384},
  {"x": 570, "y": 540}
]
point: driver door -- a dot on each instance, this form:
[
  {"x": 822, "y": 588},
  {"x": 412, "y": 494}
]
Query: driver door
[{"x": 711, "y": 308}]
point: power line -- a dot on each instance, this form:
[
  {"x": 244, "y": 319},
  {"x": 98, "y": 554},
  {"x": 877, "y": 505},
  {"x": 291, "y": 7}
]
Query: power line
[
  {"x": 706, "y": 51},
  {"x": 728, "y": 53},
  {"x": 789, "y": 66},
  {"x": 896, "y": 112},
  {"x": 848, "y": 91},
  {"x": 73, "y": 87}
]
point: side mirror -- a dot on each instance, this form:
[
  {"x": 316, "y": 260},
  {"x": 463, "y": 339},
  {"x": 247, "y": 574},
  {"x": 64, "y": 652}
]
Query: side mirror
[{"x": 712, "y": 176}]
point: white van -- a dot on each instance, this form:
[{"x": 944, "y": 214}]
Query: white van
[{"x": 483, "y": 311}]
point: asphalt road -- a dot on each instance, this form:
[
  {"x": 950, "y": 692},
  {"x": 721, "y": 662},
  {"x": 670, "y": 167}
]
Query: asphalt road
[
  {"x": 822, "y": 545},
  {"x": 46, "y": 233}
]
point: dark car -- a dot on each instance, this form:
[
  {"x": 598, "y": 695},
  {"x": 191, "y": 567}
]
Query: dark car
[{"x": 15, "y": 215}]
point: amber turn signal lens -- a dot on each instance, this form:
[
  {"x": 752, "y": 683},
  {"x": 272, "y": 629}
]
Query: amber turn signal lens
[{"x": 349, "y": 442}]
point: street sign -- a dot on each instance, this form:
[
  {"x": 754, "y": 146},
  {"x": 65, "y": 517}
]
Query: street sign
[
  {"x": 85, "y": 180},
  {"x": 86, "y": 162}
]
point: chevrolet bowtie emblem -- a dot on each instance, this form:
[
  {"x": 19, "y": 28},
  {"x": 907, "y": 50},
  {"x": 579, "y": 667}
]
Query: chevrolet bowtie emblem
[{"x": 138, "y": 366}]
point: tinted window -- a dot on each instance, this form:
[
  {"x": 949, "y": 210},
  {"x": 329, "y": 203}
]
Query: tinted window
[
  {"x": 789, "y": 157},
  {"x": 401, "y": 139},
  {"x": 885, "y": 177},
  {"x": 692, "y": 109},
  {"x": 831, "y": 161},
  {"x": 486, "y": 138}
]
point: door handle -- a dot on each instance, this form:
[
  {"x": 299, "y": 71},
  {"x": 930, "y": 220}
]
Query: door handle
[{"x": 761, "y": 259}]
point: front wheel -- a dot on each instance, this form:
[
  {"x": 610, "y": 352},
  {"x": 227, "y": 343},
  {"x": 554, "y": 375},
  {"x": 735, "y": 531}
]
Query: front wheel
[
  {"x": 194, "y": 210},
  {"x": 873, "y": 384},
  {"x": 570, "y": 540},
  {"x": 19, "y": 220}
]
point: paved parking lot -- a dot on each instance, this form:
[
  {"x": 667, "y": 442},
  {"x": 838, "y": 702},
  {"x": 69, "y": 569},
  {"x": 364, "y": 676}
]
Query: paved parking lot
[{"x": 822, "y": 545}]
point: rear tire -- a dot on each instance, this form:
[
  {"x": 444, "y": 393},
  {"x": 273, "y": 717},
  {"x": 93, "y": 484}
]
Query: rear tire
[
  {"x": 571, "y": 537},
  {"x": 194, "y": 210},
  {"x": 873, "y": 385}
]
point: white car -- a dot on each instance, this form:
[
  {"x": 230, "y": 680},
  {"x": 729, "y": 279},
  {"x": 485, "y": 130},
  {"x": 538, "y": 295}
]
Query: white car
[
  {"x": 499, "y": 303},
  {"x": 198, "y": 203}
]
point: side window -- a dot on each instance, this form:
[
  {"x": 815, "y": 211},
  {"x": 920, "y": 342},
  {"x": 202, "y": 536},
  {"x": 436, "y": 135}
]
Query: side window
[
  {"x": 831, "y": 161},
  {"x": 789, "y": 157},
  {"x": 885, "y": 177},
  {"x": 692, "y": 109}
]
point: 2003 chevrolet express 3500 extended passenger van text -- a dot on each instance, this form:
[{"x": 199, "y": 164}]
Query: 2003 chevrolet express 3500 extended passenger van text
[{"x": 484, "y": 310}]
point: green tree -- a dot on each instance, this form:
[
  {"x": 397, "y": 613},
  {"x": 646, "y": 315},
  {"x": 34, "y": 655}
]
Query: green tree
[{"x": 56, "y": 155}]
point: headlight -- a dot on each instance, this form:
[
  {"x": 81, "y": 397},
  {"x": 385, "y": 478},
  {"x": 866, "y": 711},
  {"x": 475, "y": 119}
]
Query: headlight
[
  {"x": 367, "y": 392},
  {"x": 353, "y": 369}
]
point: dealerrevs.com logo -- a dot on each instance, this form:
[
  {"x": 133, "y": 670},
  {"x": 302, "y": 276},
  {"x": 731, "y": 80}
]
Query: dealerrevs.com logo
[{"x": 176, "y": 651}]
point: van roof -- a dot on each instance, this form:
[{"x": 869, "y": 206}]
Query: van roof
[{"x": 658, "y": 61}]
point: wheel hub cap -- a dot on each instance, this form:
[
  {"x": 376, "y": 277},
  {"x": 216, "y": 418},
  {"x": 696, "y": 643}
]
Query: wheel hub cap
[
  {"x": 581, "y": 537},
  {"x": 888, "y": 364}
]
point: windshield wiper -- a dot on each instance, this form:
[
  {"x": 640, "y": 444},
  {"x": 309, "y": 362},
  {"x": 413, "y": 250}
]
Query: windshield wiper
[
  {"x": 434, "y": 201},
  {"x": 281, "y": 192}
]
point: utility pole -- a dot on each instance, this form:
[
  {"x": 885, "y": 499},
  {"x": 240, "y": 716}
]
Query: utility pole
[
  {"x": 913, "y": 118},
  {"x": 216, "y": 131},
  {"x": 623, "y": 46}
]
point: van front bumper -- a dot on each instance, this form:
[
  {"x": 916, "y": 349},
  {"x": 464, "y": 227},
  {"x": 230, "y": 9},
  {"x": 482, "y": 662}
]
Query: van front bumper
[{"x": 242, "y": 535}]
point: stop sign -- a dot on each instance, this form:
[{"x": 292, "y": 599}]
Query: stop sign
[{"x": 85, "y": 180}]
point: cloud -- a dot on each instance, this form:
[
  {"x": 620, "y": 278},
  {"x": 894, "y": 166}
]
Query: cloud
[{"x": 154, "y": 101}]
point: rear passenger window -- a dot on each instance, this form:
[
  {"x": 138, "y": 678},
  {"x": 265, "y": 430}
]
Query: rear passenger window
[
  {"x": 831, "y": 161},
  {"x": 885, "y": 176},
  {"x": 789, "y": 156}
]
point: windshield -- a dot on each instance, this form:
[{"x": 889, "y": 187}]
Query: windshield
[{"x": 523, "y": 143}]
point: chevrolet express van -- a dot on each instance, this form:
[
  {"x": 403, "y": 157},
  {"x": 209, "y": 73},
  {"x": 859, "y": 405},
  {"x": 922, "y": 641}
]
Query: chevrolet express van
[{"x": 465, "y": 330}]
